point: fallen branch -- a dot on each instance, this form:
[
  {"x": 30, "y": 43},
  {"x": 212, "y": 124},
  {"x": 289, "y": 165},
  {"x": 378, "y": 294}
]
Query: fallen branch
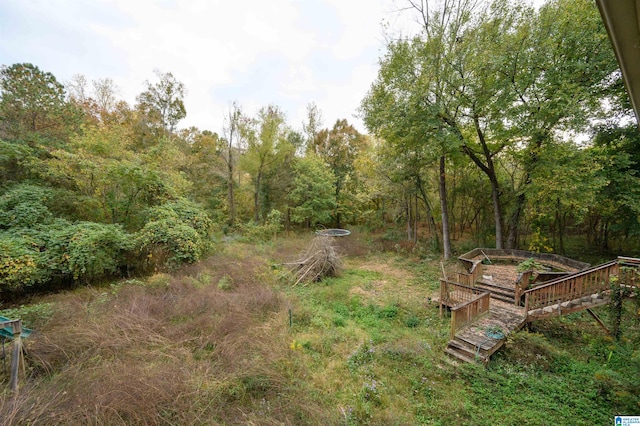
[{"x": 320, "y": 260}]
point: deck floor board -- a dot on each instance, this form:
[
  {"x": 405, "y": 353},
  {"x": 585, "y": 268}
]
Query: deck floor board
[{"x": 508, "y": 317}]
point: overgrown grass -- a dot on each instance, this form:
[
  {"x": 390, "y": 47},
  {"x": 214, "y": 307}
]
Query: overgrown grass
[{"x": 230, "y": 341}]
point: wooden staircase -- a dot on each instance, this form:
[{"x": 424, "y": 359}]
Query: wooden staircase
[
  {"x": 479, "y": 340},
  {"x": 498, "y": 292},
  {"x": 474, "y": 338}
]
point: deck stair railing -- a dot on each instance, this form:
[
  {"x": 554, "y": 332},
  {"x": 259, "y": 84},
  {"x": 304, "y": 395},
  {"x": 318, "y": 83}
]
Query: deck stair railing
[
  {"x": 591, "y": 281},
  {"x": 466, "y": 313},
  {"x": 452, "y": 293},
  {"x": 475, "y": 273}
]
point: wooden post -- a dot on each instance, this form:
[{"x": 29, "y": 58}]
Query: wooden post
[
  {"x": 16, "y": 328},
  {"x": 593, "y": 314}
]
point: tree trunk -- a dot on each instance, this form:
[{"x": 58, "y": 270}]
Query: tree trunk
[
  {"x": 490, "y": 171},
  {"x": 256, "y": 199},
  {"x": 514, "y": 223},
  {"x": 407, "y": 203},
  {"x": 230, "y": 194},
  {"x": 497, "y": 210},
  {"x": 446, "y": 242},
  {"x": 433, "y": 229}
]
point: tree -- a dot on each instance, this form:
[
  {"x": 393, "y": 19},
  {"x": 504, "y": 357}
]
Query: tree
[
  {"x": 560, "y": 75},
  {"x": 312, "y": 194},
  {"x": 234, "y": 121},
  {"x": 479, "y": 76},
  {"x": 312, "y": 126},
  {"x": 162, "y": 103},
  {"x": 339, "y": 147},
  {"x": 33, "y": 106},
  {"x": 267, "y": 147}
]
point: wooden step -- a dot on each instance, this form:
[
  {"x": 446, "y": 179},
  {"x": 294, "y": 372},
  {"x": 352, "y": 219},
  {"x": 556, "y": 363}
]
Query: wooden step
[
  {"x": 486, "y": 344},
  {"x": 465, "y": 349},
  {"x": 491, "y": 286},
  {"x": 498, "y": 292},
  {"x": 569, "y": 306},
  {"x": 458, "y": 356}
]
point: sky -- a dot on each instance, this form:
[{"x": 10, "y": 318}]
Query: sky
[{"x": 255, "y": 52}]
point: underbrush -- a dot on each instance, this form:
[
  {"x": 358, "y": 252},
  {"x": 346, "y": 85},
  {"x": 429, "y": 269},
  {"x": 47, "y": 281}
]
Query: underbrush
[
  {"x": 229, "y": 340},
  {"x": 171, "y": 350}
]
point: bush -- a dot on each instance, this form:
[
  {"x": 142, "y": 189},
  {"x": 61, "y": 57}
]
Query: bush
[
  {"x": 178, "y": 232},
  {"x": 253, "y": 232},
  {"x": 20, "y": 264},
  {"x": 63, "y": 250},
  {"x": 23, "y": 206},
  {"x": 84, "y": 250}
]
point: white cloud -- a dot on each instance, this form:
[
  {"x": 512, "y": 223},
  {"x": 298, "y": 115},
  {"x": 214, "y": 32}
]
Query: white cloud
[{"x": 286, "y": 52}]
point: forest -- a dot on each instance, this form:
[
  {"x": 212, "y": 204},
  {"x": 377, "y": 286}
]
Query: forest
[
  {"x": 159, "y": 273},
  {"x": 502, "y": 126}
]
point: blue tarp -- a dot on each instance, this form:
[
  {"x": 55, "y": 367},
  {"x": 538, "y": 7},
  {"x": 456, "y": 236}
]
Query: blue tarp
[{"x": 7, "y": 332}]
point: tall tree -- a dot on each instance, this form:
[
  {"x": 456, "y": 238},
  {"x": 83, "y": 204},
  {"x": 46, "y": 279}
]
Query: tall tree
[
  {"x": 232, "y": 139},
  {"x": 312, "y": 125},
  {"x": 33, "y": 106},
  {"x": 267, "y": 146},
  {"x": 339, "y": 147},
  {"x": 162, "y": 102}
]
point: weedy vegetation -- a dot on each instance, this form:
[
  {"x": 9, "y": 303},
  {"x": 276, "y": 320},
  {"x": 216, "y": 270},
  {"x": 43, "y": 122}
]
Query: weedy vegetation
[{"x": 231, "y": 340}]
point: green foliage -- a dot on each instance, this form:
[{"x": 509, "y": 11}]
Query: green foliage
[
  {"x": 177, "y": 232},
  {"x": 24, "y": 206},
  {"x": 32, "y": 105},
  {"x": 313, "y": 194},
  {"x": 61, "y": 250},
  {"x": 253, "y": 232},
  {"x": 32, "y": 315},
  {"x": 339, "y": 148},
  {"x": 21, "y": 264},
  {"x": 87, "y": 250},
  {"x": 530, "y": 265},
  {"x": 412, "y": 321},
  {"x": 163, "y": 102}
]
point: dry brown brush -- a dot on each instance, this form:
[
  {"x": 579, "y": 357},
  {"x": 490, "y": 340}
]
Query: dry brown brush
[
  {"x": 320, "y": 260},
  {"x": 180, "y": 351}
]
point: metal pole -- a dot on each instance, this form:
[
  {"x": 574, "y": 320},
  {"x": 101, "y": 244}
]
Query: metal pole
[{"x": 15, "y": 356}]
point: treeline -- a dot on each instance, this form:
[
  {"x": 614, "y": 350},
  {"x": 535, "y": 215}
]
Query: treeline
[
  {"x": 91, "y": 186},
  {"x": 472, "y": 123}
]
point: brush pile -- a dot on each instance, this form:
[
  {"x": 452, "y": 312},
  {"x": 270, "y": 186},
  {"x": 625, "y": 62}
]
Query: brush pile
[{"x": 320, "y": 260}]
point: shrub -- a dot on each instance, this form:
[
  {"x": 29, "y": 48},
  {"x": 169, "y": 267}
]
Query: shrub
[
  {"x": 178, "y": 232},
  {"x": 63, "y": 250},
  {"x": 23, "y": 206},
  {"x": 83, "y": 250},
  {"x": 253, "y": 232},
  {"x": 169, "y": 243},
  {"x": 20, "y": 264}
]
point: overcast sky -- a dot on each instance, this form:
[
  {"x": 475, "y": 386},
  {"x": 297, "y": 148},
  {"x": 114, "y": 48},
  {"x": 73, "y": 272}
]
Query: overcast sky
[{"x": 255, "y": 52}]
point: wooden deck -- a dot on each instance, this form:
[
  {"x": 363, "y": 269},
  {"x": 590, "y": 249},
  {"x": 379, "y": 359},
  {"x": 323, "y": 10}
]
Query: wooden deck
[
  {"x": 475, "y": 320},
  {"x": 474, "y": 342}
]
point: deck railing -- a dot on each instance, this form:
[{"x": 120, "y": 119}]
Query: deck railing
[
  {"x": 468, "y": 312},
  {"x": 585, "y": 283},
  {"x": 474, "y": 274},
  {"x": 522, "y": 284},
  {"x": 546, "y": 258},
  {"x": 452, "y": 293}
]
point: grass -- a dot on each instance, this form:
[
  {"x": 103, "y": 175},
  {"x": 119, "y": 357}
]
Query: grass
[{"x": 230, "y": 341}]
